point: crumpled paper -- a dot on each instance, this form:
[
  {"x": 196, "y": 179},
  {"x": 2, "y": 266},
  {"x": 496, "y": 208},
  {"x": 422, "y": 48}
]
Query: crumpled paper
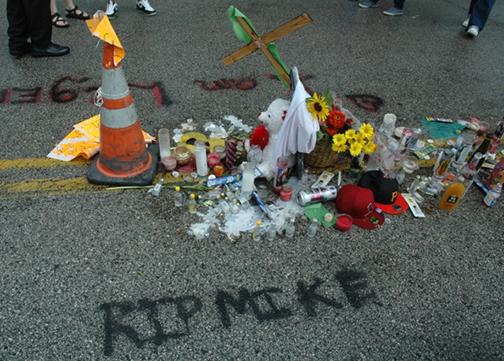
[{"x": 84, "y": 141}]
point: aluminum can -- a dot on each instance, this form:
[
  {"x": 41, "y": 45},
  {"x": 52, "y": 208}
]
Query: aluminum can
[{"x": 317, "y": 195}]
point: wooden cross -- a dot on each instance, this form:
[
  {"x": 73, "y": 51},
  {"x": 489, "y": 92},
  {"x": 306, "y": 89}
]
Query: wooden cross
[{"x": 261, "y": 42}]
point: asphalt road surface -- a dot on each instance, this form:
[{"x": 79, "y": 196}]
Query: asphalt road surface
[{"x": 88, "y": 274}]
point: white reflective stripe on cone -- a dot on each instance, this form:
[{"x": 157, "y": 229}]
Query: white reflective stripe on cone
[
  {"x": 118, "y": 118},
  {"x": 114, "y": 84}
]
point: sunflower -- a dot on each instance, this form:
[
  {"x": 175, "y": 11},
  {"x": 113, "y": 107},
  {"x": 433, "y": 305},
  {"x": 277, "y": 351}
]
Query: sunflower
[
  {"x": 369, "y": 148},
  {"x": 339, "y": 148},
  {"x": 367, "y": 130},
  {"x": 355, "y": 149},
  {"x": 317, "y": 106},
  {"x": 339, "y": 139},
  {"x": 350, "y": 135}
]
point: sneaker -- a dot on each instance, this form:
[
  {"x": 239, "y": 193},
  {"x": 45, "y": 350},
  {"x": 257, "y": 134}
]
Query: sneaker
[
  {"x": 473, "y": 31},
  {"x": 465, "y": 23},
  {"x": 366, "y": 4},
  {"x": 143, "y": 5},
  {"x": 393, "y": 12},
  {"x": 112, "y": 9}
]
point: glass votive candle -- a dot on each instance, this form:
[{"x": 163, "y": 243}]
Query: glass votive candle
[{"x": 170, "y": 163}]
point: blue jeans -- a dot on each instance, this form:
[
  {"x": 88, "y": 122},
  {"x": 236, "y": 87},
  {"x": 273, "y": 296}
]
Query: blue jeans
[
  {"x": 479, "y": 10},
  {"x": 397, "y": 3}
]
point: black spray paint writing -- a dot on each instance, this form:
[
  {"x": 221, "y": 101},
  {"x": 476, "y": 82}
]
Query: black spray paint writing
[
  {"x": 185, "y": 307},
  {"x": 247, "y": 300},
  {"x": 170, "y": 317}
]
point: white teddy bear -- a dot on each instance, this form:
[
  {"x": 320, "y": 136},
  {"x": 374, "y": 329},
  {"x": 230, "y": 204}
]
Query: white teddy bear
[{"x": 272, "y": 119}]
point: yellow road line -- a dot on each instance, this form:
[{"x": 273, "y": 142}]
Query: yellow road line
[
  {"x": 27, "y": 163},
  {"x": 55, "y": 186},
  {"x": 47, "y": 187}
]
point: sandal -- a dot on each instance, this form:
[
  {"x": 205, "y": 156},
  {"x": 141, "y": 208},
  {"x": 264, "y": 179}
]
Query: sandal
[
  {"x": 77, "y": 13},
  {"x": 58, "y": 21}
]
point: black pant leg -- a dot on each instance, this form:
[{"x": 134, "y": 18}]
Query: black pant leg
[
  {"x": 399, "y": 4},
  {"x": 17, "y": 30},
  {"x": 38, "y": 14},
  {"x": 471, "y": 6}
]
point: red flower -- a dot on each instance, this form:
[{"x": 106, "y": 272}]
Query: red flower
[
  {"x": 260, "y": 136},
  {"x": 331, "y": 131},
  {"x": 336, "y": 119}
]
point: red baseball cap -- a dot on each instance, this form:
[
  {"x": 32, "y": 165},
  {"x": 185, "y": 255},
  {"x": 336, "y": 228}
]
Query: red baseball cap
[{"x": 358, "y": 202}]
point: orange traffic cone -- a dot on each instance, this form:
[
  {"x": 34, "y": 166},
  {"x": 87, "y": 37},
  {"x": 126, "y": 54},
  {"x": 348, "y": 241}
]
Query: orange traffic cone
[{"x": 123, "y": 158}]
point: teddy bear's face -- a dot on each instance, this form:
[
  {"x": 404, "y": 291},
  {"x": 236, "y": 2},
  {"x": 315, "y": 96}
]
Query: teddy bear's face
[{"x": 274, "y": 116}]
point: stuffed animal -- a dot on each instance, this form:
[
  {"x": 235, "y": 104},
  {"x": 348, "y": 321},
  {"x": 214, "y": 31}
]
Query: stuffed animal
[{"x": 272, "y": 119}]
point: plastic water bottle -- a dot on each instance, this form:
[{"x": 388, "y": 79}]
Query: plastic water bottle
[
  {"x": 312, "y": 228},
  {"x": 179, "y": 197},
  {"x": 192, "y": 205},
  {"x": 271, "y": 232},
  {"x": 290, "y": 228},
  {"x": 248, "y": 178},
  {"x": 388, "y": 125},
  {"x": 254, "y": 155},
  {"x": 156, "y": 190},
  {"x": 493, "y": 195},
  {"x": 256, "y": 233}
]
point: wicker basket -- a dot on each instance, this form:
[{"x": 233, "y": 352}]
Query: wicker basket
[{"x": 324, "y": 158}]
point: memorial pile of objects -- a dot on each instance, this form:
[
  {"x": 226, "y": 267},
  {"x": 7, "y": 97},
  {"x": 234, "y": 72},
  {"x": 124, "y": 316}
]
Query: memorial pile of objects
[
  {"x": 308, "y": 161},
  {"x": 252, "y": 182}
]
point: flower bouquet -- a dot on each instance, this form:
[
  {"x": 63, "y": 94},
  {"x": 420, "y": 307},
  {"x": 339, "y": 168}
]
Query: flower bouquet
[{"x": 340, "y": 139}]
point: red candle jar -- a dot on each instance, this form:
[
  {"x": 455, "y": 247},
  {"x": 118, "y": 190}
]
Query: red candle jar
[
  {"x": 213, "y": 159},
  {"x": 218, "y": 170},
  {"x": 344, "y": 222},
  {"x": 286, "y": 193}
]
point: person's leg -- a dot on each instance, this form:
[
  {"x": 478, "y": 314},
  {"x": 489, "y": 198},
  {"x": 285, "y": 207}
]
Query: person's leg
[
  {"x": 365, "y": 4},
  {"x": 72, "y": 11},
  {"x": 465, "y": 23},
  {"x": 112, "y": 8},
  {"x": 54, "y": 8},
  {"x": 145, "y": 7},
  {"x": 396, "y": 10},
  {"x": 38, "y": 14},
  {"x": 480, "y": 11},
  {"x": 17, "y": 30},
  {"x": 399, "y": 4},
  {"x": 69, "y": 4},
  {"x": 471, "y": 7},
  {"x": 56, "y": 18}
]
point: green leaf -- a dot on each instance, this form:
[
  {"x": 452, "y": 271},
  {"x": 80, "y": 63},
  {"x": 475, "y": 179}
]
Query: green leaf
[
  {"x": 328, "y": 98},
  {"x": 320, "y": 135}
]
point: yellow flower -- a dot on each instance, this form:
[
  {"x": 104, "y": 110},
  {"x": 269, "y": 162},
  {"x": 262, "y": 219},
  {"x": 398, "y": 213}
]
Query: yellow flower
[
  {"x": 355, "y": 149},
  {"x": 339, "y": 148},
  {"x": 339, "y": 139},
  {"x": 360, "y": 138},
  {"x": 350, "y": 135},
  {"x": 369, "y": 148},
  {"x": 367, "y": 130},
  {"x": 317, "y": 106}
]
